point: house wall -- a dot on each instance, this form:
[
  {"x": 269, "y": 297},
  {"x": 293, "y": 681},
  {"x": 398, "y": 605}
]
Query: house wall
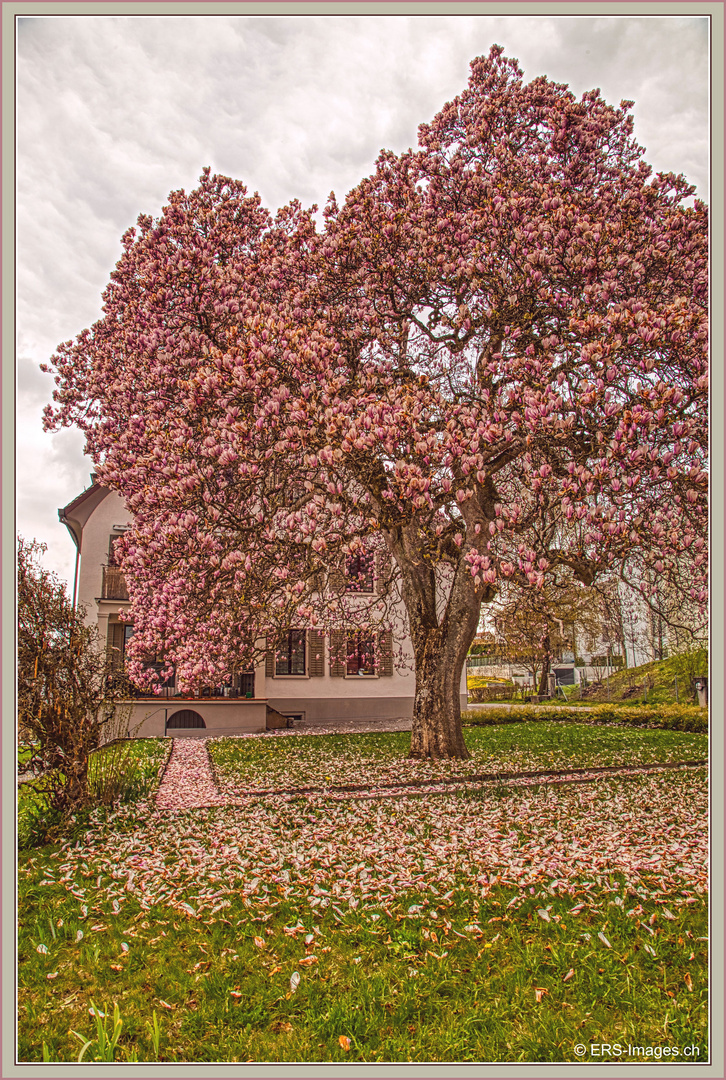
[
  {"x": 321, "y": 698},
  {"x": 148, "y": 716},
  {"x": 94, "y": 556},
  {"x": 329, "y": 697}
]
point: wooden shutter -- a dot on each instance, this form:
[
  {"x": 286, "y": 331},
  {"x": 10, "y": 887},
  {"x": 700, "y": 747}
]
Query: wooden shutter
[
  {"x": 336, "y": 580},
  {"x": 337, "y": 653},
  {"x": 383, "y": 568},
  {"x": 336, "y": 577},
  {"x": 115, "y": 645},
  {"x": 386, "y": 646},
  {"x": 352, "y": 641},
  {"x": 269, "y": 659},
  {"x": 316, "y": 653}
]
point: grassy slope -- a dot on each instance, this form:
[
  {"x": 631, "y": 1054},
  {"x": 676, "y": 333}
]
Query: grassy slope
[{"x": 654, "y": 682}]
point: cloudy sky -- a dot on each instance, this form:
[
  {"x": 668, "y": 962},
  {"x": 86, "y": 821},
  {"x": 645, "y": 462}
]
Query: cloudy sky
[{"x": 114, "y": 112}]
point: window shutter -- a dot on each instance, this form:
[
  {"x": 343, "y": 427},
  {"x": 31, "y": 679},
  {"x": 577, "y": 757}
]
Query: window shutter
[
  {"x": 383, "y": 568},
  {"x": 386, "y": 645},
  {"x": 316, "y": 653},
  {"x": 337, "y": 653},
  {"x": 336, "y": 579},
  {"x": 352, "y": 661},
  {"x": 115, "y": 645},
  {"x": 270, "y": 660}
]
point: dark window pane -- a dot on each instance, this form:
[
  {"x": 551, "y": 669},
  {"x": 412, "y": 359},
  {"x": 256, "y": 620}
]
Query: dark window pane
[
  {"x": 247, "y": 684},
  {"x": 359, "y": 572},
  {"x": 361, "y": 653},
  {"x": 290, "y": 654}
]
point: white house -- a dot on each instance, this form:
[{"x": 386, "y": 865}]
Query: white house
[{"x": 309, "y": 677}]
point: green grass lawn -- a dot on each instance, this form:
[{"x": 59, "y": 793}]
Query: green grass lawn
[
  {"x": 379, "y": 758},
  {"x": 504, "y": 924}
]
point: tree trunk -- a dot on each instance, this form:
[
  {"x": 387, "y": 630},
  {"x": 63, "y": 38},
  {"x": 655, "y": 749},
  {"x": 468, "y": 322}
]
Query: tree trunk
[
  {"x": 543, "y": 684},
  {"x": 436, "y": 731},
  {"x": 442, "y": 629}
]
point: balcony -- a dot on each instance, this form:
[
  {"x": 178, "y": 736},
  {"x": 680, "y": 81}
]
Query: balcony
[{"x": 113, "y": 585}]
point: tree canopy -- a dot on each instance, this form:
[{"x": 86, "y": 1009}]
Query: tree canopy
[{"x": 489, "y": 362}]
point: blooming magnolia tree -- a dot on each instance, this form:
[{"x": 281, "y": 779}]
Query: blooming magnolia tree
[{"x": 489, "y": 363}]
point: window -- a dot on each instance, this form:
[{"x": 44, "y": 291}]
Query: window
[
  {"x": 290, "y": 654},
  {"x": 359, "y": 570},
  {"x": 155, "y": 665},
  {"x": 246, "y": 681},
  {"x": 361, "y": 653},
  {"x": 111, "y": 556}
]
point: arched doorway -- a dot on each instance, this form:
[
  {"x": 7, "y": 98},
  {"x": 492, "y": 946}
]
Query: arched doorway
[{"x": 185, "y": 718}]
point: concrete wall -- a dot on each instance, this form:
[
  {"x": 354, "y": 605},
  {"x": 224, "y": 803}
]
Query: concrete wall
[
  {"x": 350, "y": 707},
  {"x": 236, "y": 717}
]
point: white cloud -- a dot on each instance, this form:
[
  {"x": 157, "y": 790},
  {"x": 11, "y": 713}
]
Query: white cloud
[{"x": 114, "y": 112}]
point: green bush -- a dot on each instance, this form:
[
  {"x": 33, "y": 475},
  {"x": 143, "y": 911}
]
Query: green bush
[
  {"x": 119, "y": 772},
  {"x": 671, "y": 717}
]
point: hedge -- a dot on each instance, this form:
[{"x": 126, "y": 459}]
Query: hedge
[{"x": 673, "y": 717}]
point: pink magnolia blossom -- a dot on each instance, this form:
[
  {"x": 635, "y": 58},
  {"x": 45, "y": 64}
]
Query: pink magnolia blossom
[{"x": 492, "y": 360}]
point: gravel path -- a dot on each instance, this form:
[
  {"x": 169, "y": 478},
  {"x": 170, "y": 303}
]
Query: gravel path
[
  {"x": 188, "y": 780},
  {"x": 340, "y": 726}
]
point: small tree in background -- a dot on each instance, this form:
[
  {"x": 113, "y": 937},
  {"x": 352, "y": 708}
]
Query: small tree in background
[
  {"x": 67, "y": 705},
  {"x": 535, "y": 626}
]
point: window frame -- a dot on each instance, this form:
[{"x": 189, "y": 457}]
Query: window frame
[
  {"x": 290, "y": 650},
  {"x": 360, "y": 573},
  {"x": 358, "y": 636}
]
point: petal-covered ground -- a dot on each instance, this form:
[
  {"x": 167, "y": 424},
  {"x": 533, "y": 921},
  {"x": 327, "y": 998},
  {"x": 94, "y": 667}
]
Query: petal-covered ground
[
  {"x": 651, "y": 830},
  {"x": 375, "y": 759},
  {"x": 188, "y": 779},
  {"x": 587, "y": 899}
]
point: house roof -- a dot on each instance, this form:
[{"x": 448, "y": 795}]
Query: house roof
[{"x": 75, "y": 515}]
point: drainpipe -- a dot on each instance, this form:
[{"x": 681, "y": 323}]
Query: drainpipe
[
  {"x": 75, "y": 577},
  {"x": 77, "y": 541}
]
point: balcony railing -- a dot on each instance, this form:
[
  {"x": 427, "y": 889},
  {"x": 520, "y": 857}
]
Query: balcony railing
[{"x": 113, "y": 585}]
